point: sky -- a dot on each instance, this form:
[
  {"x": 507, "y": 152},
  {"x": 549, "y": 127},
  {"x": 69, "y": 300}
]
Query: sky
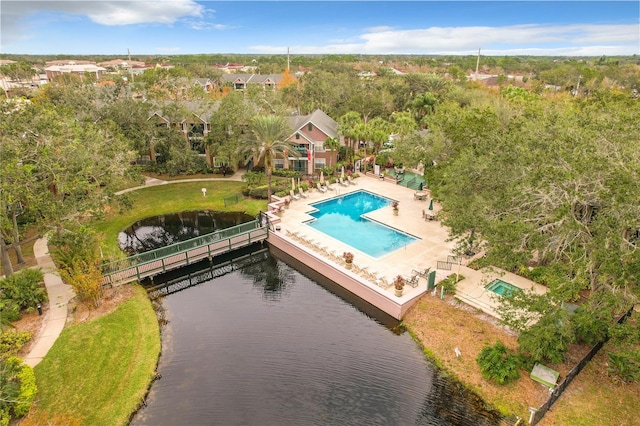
[{"x": 174, "y": 27}]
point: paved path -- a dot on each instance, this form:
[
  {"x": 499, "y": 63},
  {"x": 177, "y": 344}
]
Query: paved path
[{"x": 59, "y": 295}]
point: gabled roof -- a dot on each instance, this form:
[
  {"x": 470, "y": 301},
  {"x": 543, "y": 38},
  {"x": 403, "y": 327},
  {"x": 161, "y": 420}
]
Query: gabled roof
[
  {"x": 319, "y": 119},
  {"x": 251, "y": 78}
]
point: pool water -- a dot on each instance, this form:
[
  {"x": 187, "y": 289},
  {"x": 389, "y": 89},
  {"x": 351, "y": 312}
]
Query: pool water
[
  {"x": 502, "y": 288},
  {"x": 342, "y": 218}
]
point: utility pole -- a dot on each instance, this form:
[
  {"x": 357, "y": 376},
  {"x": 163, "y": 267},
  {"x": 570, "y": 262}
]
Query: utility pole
[
  {"x": 288, "y": 69},
  {"x": 130, "y": 67},
  {"x": 475, "y": 77}
]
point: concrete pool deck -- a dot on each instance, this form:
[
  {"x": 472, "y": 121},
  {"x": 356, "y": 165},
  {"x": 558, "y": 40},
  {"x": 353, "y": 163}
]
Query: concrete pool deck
[
  {"x": 366, "y": 278},
  {"x": 369, "y": 276}
]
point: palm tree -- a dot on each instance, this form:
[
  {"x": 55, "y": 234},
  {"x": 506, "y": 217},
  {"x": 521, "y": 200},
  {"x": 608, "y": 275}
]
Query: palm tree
[{"x": 267, "y": 140}]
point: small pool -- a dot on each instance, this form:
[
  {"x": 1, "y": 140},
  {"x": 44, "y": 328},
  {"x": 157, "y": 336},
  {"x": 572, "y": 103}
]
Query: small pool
[
  {"x": 502, "y": 288},
  {"x": 342, "y": 218}
]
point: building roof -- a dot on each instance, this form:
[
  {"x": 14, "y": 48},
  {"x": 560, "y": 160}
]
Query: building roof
[
  {"x": 75, "y": 68},
  {"x": 251, "y": 78},
  {"x": 319, "y": 119}
]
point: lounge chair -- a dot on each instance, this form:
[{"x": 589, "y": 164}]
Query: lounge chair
[
  {"x": 330, "y": 188},
  {"x": 424, "y": 273},
  {"x": 342, "y": 182},
  {"x": 293, "y": 195},
  {"x": 351, "y": 180},
  {"x": 413, "y": 281},
  {"x": 320, "y": 187},
  {"x": 301, "y": 192}
]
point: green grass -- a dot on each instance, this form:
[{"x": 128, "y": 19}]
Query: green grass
[
  {"x": 98, "y": 372},
  {"x": 173, "y": 198}
]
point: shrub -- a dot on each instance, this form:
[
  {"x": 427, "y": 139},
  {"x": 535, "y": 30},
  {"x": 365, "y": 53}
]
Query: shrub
[
  {"x": 498, "y": 364},
  {"x": 24, "y": 288},
  {"x": 548, "y": 339},
  {"x": 449, "y": 283},
  {"x": 86, "y": 280},
  {"x": 588, "y": 326},
  {"x": 17, "y": 387},
  {"x": 12, "y": 341},
  {"x": 76, "y": 245},
  {"x": 10, "y": 312},
  {"x": 625, "y": 365}
]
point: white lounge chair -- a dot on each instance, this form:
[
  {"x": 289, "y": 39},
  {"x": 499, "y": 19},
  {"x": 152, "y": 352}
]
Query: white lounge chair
[
  {"x": 342, "y": 182},
  {"x": 301, "y": 192},
  {"x": 293, "y": 195},
  {"x": 351, "y": 180},
  {"x": 320, "y": 187}
]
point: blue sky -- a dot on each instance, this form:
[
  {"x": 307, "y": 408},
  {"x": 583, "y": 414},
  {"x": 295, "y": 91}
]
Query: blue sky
[{"x": 320, "y": 27}]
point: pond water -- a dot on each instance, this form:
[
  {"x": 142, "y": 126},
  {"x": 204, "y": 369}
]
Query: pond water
[
  {"x": 271, "y": 342},
  {"x": 160, "y": 231}
]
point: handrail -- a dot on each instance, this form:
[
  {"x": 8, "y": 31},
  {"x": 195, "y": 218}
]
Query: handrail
[{"x": 180, "y": 247}]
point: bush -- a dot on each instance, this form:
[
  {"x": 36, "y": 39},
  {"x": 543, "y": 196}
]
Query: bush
[
  {"x": 450, "y": 283},
  {"x": 498, "y": 364},
  {"x": 625, "y": 365},
  {"x": 12, "y": 341},
  {"x": 548, "y": 339},
  {"x": 17, "y": 387},
  {"x": 588, "y": 327},
  {"x": 24, "y": 288},
  {"x": 76, "y": 245},
  {"x": 10, "y": 311}
]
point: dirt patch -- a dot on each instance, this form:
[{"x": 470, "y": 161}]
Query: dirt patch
[
  {"x": 442, "y": 326},
  {"x": 112, "y": 298}
]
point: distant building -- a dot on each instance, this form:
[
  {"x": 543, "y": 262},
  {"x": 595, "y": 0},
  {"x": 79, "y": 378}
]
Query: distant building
[
  {"x": 242, "y": 81},
  {"x": 72, "y": 68}
]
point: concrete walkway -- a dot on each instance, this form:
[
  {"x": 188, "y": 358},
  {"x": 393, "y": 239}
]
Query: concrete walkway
[{"x": 59, "y": 295}]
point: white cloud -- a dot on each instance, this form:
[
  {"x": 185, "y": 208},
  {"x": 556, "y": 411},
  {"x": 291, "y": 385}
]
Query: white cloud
[{"x": 533, "y": 39}]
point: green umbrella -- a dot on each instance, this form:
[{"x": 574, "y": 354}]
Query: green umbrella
[{"x": 431, "y": 204}]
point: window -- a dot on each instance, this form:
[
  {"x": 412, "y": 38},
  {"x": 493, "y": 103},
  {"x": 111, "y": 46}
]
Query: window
[
  {"x": 278, "y": 163},
  {"x": 297, "y": 135},
  {"x": 310, "y": 127},
  {"x": 318, "y": 147},
  {"x": 319, "y": 163}
]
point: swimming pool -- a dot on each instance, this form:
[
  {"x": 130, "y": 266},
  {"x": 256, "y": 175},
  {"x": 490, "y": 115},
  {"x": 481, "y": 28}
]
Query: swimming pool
[
  {"x": 341, "y": 218},
  {"x": 502, "y": 288}
]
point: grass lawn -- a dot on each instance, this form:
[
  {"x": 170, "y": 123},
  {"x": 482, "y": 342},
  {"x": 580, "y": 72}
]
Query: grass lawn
[
  {"x": 173, "y": 198},
  {"x": 98, "y": 372}
]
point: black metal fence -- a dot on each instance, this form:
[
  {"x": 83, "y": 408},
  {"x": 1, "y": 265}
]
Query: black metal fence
[{"x": 538, "y": 414}]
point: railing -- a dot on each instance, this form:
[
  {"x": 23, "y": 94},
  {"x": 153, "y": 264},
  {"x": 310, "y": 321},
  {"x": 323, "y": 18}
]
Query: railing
[{"x": 183, "y": 253}]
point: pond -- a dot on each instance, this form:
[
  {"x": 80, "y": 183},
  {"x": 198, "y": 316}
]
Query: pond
[
  {"x": 271, "y": 342},
  {"x": 160, "y": 231}
]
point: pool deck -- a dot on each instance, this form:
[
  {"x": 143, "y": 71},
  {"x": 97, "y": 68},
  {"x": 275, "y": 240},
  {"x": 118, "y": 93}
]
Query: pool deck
[{"x": 367, "y": 277}]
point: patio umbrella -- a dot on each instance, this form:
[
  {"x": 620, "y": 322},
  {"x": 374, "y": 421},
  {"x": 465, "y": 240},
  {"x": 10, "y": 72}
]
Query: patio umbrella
[
  {"x": 298, "y": 182},
  {"x": 293, "y": 184},
  {"x": 421, "y": 186},
  {"x": 321, "y": 177},
  {"x": 431, "y": 205},
  {"x": 342, "y": 173}
]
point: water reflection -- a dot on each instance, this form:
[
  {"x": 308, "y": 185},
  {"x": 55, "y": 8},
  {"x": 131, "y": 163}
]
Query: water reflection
[
  {"x": 291, "y": 353},
  {"x": 160, "y": 231}
]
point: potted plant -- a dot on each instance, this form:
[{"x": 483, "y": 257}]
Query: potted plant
[
  {"x": 395, "y": 207},
  {"x": 287, "y": 201},
  {"x": 398, "y": 284},
  {"x": 348, "y": 259}
]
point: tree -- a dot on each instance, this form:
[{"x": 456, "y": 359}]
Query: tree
[
  {"x": 266, "y": 141},
  {"x": 228, "y": 124}
]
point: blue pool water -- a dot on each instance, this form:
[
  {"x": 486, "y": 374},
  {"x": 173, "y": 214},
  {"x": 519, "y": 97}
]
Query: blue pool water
[
  {"x": 502, "y": 288},
  {"x": 341, "y": 218}
]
